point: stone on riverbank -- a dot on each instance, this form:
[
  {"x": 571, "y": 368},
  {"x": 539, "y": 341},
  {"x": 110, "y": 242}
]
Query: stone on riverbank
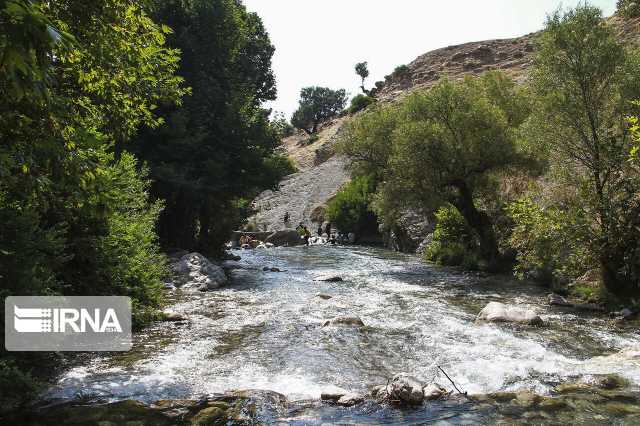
[
  {"x": 193, "y": 270},
  {"x": 499, "y": 312}
]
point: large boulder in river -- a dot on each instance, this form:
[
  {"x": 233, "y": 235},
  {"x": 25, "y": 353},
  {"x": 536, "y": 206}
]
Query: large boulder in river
[
  {"x": 499, "y": 312},
  {"x": 193, "y": 270},
  {"x": 285, "y": 237}
]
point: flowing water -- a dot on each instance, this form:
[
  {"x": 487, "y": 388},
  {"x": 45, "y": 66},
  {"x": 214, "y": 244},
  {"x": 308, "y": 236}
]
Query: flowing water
[{"x": 265, "y": 332}]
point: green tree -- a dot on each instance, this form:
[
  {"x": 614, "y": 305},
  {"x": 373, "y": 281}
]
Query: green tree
[
  {"x": 77, "y": 80},
  {"x": 452, "y": 144},
  {"x": 79, "y": 97},
  {"x": 586, "y": 81},
  {"x": 317, "y": 104},
  {"x": 219, "y": 146},
  {"x": 362, "y": 70}
]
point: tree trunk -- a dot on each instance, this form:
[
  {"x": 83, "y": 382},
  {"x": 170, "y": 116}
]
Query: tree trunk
[{"x": 481, "y": 223}]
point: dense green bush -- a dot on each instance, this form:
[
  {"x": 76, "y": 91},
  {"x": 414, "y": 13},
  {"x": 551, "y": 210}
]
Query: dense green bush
[
  {"x": 360, "y": 102},
  {"x": 350, "y": 209},
  {"x": 550, "y": 243},
  {"x": 453, "y": 242}
]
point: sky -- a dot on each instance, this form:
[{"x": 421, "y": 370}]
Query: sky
[{"x": 318, "y": 42}]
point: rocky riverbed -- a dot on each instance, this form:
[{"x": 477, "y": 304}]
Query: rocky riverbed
[{"x": 266, "y": 346}]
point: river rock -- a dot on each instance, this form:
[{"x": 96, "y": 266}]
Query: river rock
[
  {"x": 405, "y": 389},
  {"x": 345, "y": 320},
  {"x": 324, "y": 296},
  {"x": 193, "y": 270},
  {"x": 286, "y": 237},
  {"x": 433, "y": 391},
  {"x": 499, "y": 312},
  {"x": 557, "y": 300},
  {"x": 333, "y": 397},
  {"x": 209, "y": 416},
  {"x": 330, "y": 279},
  {"x": 350, "y": 399}
]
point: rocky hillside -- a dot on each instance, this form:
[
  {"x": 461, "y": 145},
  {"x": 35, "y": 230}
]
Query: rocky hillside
[
  {"x": 512, "y": 56},
  {"x": 321, "y": 173}
]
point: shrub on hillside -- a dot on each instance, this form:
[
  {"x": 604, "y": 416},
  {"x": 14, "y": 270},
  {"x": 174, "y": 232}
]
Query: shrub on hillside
[{"x": 360, "y": 102}]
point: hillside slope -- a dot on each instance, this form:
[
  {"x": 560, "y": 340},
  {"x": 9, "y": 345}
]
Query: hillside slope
[{"x": 321, "y": 173}]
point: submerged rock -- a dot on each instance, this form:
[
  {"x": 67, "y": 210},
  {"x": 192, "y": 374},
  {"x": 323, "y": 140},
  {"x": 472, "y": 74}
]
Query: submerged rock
[
  {"x": 499, "y": 312},
  {"x": 353, "y": 321},
  {"x": 193, "y": 270}
]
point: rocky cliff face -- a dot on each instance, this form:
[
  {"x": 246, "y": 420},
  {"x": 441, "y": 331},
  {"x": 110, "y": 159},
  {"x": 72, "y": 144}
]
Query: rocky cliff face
[{"x": 322, "y": 173}]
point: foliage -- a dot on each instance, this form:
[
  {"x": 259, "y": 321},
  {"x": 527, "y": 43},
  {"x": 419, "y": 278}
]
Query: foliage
[
  {"x": 349, "y": 210},
  {"x": 453, "y": 242},
  {"x": 400, "y": 72},
  {"x": 77, "y": 80},
  {"x": 441, "y": 152},
  {"x": 317, "y": 104},
  {"x": 628, "y": 8},
  {"x": 634, "y": 129},
  {"x": 360, "y": 102},
  {"x": 585, "y": 81},
  {"x": 66, "y": 202},
  {"x": 362, "y": 70},
  {"x": 550, "y": 242},
  {"x": 281, "y": 125},
  {"x": 17, "y": 387},
  {"x": 220, "y": 145},
  {"x": 366, "y": 141}
]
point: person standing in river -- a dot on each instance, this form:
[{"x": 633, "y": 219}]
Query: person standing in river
[
  {"x": 320, "y": 230},
  {"x": 286, "y": 218},
  {"x": 327, "y": 229}
]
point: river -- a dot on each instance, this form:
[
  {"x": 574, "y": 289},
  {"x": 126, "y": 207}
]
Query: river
[{"x": 265, "y": 332}]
